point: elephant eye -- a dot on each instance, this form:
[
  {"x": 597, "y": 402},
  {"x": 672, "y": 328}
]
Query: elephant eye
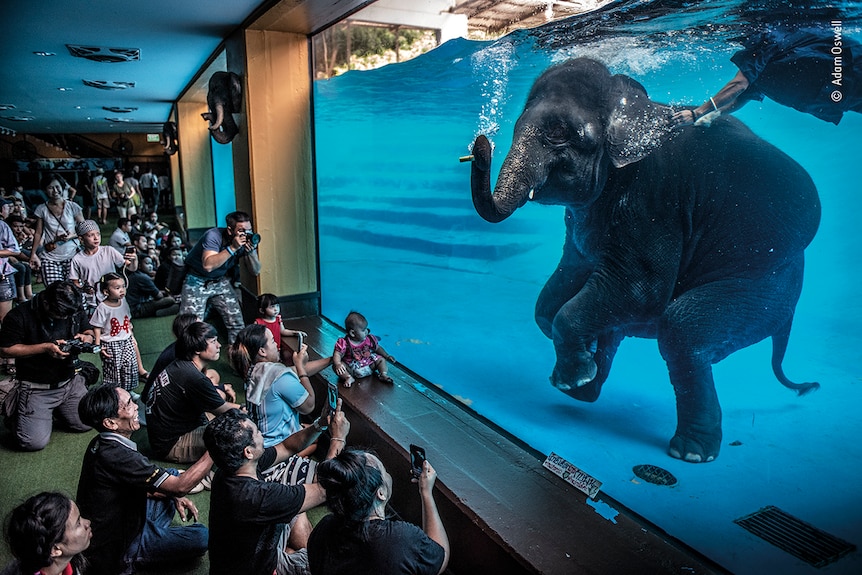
[{"x": 557, "y": 134}]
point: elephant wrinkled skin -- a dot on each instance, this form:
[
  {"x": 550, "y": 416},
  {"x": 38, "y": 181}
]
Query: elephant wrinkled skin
[
  {"x": 693, "y": 237},
  {"x": 224, "y": 98}
]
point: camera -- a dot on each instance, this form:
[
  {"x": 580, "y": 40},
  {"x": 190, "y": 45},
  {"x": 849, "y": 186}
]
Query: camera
[
  {"x": 252, "y": 238},
  {"x": 76, "y": 346}
]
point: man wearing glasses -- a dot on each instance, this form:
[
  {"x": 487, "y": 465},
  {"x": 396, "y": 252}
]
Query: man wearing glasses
[
  {"x": 49, "y": 387},
  {"x": 117, "y": 486}
]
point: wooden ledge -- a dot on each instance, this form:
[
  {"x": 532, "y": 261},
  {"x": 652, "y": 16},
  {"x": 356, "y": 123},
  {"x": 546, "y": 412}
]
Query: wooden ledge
[{"x": 503, "y": 511}]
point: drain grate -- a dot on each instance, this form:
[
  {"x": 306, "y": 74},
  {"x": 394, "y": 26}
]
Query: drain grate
[
  {"x": 654, "y": 474},
  {"x": 804, "y": 541}
]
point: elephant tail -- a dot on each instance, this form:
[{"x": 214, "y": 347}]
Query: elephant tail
[{"x": 779, "y": 347}]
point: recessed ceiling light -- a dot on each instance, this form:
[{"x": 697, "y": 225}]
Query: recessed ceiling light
[
  {"x": 102, "y": 54},
  {"x": 40, "y": 53},
  {"x": 65, "y": 89},
  {"x": 106, "y": 85},
  {"x": 4, "y": 107}
]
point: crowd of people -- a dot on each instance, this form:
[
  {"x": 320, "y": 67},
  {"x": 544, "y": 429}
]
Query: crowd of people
[{"x": 260, "y": 460}]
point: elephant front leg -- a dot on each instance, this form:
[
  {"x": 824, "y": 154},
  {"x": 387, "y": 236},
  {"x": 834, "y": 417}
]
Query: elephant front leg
[
  {"x": 698, "y": 429},
  {"x": 576, "y": 347}
]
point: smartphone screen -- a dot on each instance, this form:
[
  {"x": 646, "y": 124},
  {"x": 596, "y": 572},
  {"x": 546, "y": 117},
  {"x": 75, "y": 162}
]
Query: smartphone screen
[
  {"x": 130, "y": 250},
  {"x": 417, "y": 459},
  {"x": 332, "y": 396},
  {"x": 299, "y": 339}
]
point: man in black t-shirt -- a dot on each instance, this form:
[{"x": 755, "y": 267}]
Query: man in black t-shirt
[
  {"x": 182, "y": 395},
  {"x": 34, "y": 334},
  {"x": 249, "y": 517},
  {"x": 129, "y": 527}
]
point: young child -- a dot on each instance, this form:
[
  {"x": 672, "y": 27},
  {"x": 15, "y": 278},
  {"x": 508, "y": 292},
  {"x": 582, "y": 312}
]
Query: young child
[
  {"x": 269, "y": 315},
  {"x": 94, "y": 261},
  {"x": 359, "y": 354},
  {"x": 112, "y": 325}
]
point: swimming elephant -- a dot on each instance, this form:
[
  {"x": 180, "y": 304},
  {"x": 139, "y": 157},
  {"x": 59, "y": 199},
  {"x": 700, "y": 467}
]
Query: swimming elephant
[
  {"x": 224, "y": 98},
  {"x": 694, "y": 237}
]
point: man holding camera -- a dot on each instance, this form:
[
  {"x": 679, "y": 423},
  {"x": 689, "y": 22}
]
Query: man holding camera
[
  {"x": 211, "y": 266},
  {"x": 36, "y": 334}
]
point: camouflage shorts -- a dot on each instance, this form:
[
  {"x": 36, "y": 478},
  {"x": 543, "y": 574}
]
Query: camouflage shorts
[{"x": 198, "y": 293}]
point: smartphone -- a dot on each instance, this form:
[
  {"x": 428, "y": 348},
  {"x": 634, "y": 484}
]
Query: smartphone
[
  {"x": 332, "y": 396},
  {"x": 299, "y": 339},
  {"x": 417, "y": 459},
  {"x": 130, "y": 250}
]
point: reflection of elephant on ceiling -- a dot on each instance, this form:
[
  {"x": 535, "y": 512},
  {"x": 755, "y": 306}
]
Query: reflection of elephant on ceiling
[
  {"x": 224, "y": 98},
  {"x": 695, "y": 238}
]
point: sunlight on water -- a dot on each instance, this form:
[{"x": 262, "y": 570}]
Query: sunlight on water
[{"x": 493, "y": 65}]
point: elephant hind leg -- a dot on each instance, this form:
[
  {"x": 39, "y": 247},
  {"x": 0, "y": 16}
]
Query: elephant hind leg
[{"x": 704, "y": 326}]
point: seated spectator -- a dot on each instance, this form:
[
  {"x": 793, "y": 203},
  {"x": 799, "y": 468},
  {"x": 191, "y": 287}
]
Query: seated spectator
[
  {"x": 152, "y": 225},
  {"x": 358, "y": 538},
  {"x": 250, "y": 517},
  {"x": 275, "y": 394},
  {"x": 140, "y": 243},
  {"x": 144, "y": 298},
  {"x": 49, "y": 385},
  {"x": 120, "y": 239},
  {"x": 47, "y": 535},
  {"x": 182, "y": 395},
  {"x": 136, "y": 225},
  {"x": 116, "y": 489},
  {"x": 169, "y": 354},
  {"x": 153, "y": 263},
  {"x": 171, "y": 272}
]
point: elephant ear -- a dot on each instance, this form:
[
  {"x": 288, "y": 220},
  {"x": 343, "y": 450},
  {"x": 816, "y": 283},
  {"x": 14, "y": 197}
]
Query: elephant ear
[{"x": 637, "y": 126}]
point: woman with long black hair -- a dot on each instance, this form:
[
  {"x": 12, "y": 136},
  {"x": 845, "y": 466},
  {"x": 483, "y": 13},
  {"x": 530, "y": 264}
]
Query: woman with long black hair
[{"x": 47, "y": 534}]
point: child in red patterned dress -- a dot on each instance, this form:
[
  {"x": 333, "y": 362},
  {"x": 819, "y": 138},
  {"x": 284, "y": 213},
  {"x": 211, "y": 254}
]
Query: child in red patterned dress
[{"x": 269, "y": 315}]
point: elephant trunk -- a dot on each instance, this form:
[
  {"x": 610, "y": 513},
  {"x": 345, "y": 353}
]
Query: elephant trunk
[
  {"x": 514, "y": 183},
  {"x": 218, "y": 111}
]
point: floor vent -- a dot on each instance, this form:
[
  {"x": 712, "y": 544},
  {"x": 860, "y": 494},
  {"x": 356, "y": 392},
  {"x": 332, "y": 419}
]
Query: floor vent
[{"x": 796, "y": 537}]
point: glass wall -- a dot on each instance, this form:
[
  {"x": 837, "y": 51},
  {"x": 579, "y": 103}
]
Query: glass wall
[{"x": 453, "y": 297}]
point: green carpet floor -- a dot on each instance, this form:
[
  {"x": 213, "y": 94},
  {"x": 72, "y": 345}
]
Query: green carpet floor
[{"x": 57, "y": 467}]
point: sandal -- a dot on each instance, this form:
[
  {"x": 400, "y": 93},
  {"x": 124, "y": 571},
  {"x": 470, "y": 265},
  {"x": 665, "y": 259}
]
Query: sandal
[{"x": 384, "y": 377}]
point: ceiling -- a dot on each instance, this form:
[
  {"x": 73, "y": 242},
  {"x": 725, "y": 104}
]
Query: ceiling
[{"x": 175, "y": 40}]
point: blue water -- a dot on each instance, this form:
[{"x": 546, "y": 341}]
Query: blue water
[{"x": 452, "y": 297}]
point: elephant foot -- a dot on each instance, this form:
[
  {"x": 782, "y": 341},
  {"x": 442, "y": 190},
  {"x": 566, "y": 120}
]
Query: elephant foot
[
  {"x": 576, "y": 376},
  {"x": 695, "y": 447}
]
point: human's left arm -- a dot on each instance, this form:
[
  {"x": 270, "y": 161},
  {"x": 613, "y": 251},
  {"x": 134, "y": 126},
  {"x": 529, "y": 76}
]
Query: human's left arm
[
  {"x": 338, "y": 425},
  {"x": 251, "y": 262}
]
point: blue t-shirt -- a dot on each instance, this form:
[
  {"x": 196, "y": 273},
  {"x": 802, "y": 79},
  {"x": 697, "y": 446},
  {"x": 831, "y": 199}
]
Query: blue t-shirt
[
  {"x": 214, "y": 240},
  {"x": 277, "y": 416}
]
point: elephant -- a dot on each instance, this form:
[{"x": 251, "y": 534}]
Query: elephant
[
  {"x": 224, "y": 98},
  {"x": 691, "y": 236}
]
